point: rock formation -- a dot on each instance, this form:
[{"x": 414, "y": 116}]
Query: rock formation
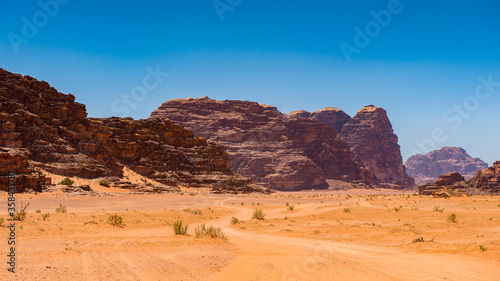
[
  {"x": 371, "y": 139},
  {"x": 330, "y": 115},
  {"x": 13, "y": 160},
  {"x": 444, "y": 186},
  {"x": 373, "y": 142},
  {"x": 276, "y": 151},
  {"x": 485, "y": 181},
  {"x": 64, "y": 141},
  {"x": 427, "y": 168}
]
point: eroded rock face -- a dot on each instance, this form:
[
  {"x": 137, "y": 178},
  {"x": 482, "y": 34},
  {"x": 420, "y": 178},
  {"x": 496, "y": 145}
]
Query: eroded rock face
[
  {"x": 372, "y": 141},
  {"x": 13, "y": 160},
  {"x": 370, "y": 136},
  {"x": 487, "y": 180},
  {"x": 276, "y": 151},
  {"x": 64, "y": 141},
  {"x": 330, "y": 115},
  {"x": 427, "y": 168}
]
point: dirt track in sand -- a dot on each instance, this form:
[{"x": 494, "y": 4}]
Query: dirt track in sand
[{"x": 317, "y": 240}]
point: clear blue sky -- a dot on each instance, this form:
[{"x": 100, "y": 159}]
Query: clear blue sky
[{"x": 418, "y": 65}]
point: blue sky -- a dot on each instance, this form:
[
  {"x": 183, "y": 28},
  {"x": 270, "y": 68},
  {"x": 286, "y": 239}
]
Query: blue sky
[{"x": 420, "y": 65}]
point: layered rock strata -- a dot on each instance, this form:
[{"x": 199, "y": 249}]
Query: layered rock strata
[
  {"x": 276, "y": 151},
  {"x": 64, "y": 141}
]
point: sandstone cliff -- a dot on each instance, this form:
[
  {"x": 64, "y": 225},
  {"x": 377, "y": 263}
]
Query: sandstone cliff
[
  {"x": 371, "y": 139},
  {"x": 427, "y": 168},
  {"x": 13, "y": 160},
  {"x": 276, "y": 151},
  {"x": 487, "y": 180},
  {"x": 64, "y": 141}
]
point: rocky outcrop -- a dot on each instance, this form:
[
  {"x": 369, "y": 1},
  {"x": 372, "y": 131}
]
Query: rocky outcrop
[
  {"x": 427, "y": 168},
  {"x": 447, "y": 181},
  {"x": 370, "y": 136},
  {"x": 330, "y": 115},
  {"x": 372, "y": 141},
  {"x": 64, "y": 141},
  {"x": 276, "y": 151},
  {"x": 487, "y": 180},
  {"x": 15, "y": 162}
]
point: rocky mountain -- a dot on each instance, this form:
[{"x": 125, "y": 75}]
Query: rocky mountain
[
  {"x": 427, "y": 168},
  {"x": 276, "y": 151},
  {"x": 62, "y": 140},
  {"x": 370, "y": 136},
  {"x": 487, "y": 181}
]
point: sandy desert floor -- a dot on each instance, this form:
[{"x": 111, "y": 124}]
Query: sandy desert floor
[{"x": 329, "y": 235}]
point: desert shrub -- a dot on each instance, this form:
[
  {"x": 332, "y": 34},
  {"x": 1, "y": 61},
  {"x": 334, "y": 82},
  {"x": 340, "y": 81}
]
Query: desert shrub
[
  {"x": 38, "y": 211},
  {"x": 258, "y": 214},
  {"x": 291, "y": 208},
  {"x": 66, "y": 181},
  {"x": 421, "y": 239},
  {"x": 437, "y": 209},
  {"x": 234, "y": 220},
  {"x": 211, "y": 231},
  {"x": 61, "y": 209},
  {"x": 1, "y": 221},
  {"x": 194, "y": 212},
  {"x": 397, "y": 209},
  {"x": 115, "y": 220},
  {"x": 452, "y": 218},
  {"x": 104, "y": 183},
  {"x": 287, "y": 204},
  {"x": 21, "y": 214},
  {"x": 45, "y": 216},
  {"x": 347, "y": 210},
  {"x": 482, "y": 248},
  {"x": 179, "y": 229}
]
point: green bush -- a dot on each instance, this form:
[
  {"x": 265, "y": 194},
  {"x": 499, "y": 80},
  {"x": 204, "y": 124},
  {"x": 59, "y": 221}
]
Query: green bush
[
  {"x": 66, "y": 181},
  {"x": 61, "y": 209},
  {"x": 210, "y": 231},
  {"x": 115, "y": 220},
  {"x": 258, "y": 214},
  {"x": 1, "y": 221},
  {"x": 234, "y": 220},
  {"x": 346, "y": 210},
  {"x": 179, "y": 229},
  {"x": 21, "y": 214},
  {"x": 291, "y": 208},
  {"x": 45, "y": 216},
  {"x": 104, "y": 183},
  {"x": 452, "y": 218}
]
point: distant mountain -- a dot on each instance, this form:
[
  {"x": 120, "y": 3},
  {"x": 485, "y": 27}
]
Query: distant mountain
[{"x": 427, "y": 168}]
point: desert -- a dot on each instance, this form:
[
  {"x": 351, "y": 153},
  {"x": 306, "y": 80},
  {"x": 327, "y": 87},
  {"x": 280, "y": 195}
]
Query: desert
[
  {"x": 249, "y": 140},
  {"x": 310, "y": 235}
]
